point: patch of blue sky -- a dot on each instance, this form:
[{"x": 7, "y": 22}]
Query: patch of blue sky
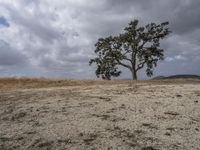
[{"x": 4, "y": 22}]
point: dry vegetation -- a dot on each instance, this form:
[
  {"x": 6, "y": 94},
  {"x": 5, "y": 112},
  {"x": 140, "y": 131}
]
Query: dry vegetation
[
  {"x": 27, "y": 83},
  {"x": 77, "y": 115},
  {"x": 24, "y": 83}
]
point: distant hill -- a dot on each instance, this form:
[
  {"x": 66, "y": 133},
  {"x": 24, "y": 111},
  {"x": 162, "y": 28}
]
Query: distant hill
[{"x": 177, "y": 77}]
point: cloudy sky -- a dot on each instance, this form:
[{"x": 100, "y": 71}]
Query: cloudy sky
[{"x": 55, "y": 38}]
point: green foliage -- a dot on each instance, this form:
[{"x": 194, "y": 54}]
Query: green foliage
[{"x": 134, "y": 49}]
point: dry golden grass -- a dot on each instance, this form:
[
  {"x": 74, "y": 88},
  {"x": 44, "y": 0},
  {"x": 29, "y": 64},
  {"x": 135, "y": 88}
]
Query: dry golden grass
[
  {"x": 15, "y": 83},
  {"x": 24, "y": 83}
]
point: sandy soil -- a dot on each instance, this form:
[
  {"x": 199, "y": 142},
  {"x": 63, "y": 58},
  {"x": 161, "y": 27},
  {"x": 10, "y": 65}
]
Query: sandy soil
[{"x": 127, "y": 116}]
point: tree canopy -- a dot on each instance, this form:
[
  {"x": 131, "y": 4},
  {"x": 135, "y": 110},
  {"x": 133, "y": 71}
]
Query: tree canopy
[{"x": 134, "y": 49}]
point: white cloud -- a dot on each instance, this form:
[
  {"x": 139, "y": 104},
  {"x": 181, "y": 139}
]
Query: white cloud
[
  {"x": 180, "y": 57},
  {"x": 169, "y": 59}
]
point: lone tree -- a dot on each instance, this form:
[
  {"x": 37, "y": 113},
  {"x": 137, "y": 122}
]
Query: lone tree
[{"x": 134, "y": 49}]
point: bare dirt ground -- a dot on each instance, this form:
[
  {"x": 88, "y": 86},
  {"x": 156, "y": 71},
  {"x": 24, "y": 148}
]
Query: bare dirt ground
[{"x": 123, "y": 116}]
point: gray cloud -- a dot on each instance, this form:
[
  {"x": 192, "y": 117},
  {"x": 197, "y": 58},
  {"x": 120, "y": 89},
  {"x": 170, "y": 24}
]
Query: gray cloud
[
  {"x": 10, "y": 56},
  {"x": 37, "y": 23},
  {"x": 186, "y": 17},
  {"x": 56, "y": 38}
]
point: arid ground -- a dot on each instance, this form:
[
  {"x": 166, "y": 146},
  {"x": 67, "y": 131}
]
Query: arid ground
[{"x": 99, "y": 115}]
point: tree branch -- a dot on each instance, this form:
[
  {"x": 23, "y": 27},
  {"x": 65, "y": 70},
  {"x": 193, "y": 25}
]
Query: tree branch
[
  {"x": 124, "y": 65},
  {"x": 140, "y": 65},
  {"x": 142, "y": 45},
  {"x": 127, "y": 59}
]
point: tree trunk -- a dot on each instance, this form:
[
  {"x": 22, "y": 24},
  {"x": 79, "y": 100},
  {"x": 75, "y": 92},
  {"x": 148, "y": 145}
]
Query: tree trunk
[
  {"x": 133, "y": 70},
  {"x": 134, "y": 74}
]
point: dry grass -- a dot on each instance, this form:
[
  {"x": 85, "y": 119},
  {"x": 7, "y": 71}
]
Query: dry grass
[{"x": 24, "y": 83}]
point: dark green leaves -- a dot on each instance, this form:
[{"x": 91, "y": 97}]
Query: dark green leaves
[{"x": 134, "y": 49}]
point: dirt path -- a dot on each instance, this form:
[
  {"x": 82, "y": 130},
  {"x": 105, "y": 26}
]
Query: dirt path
[{"x": 103, "y": 117}]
